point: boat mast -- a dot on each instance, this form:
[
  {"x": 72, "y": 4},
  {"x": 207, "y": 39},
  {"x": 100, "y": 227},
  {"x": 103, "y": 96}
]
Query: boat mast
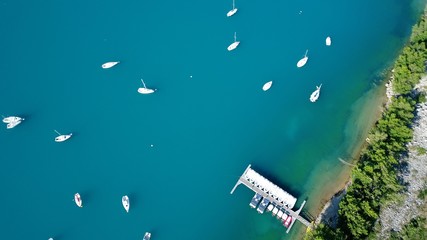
[
  {"x": 233, "y": 5},
  {"x": 143, "y": 83},
  {"x": 57, "y": 132},
  {"x": 306, "y": 51},
  {"x": 235, "y": 37}
]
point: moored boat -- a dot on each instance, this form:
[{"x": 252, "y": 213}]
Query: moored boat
[
  {"x": 145, "y": 90},
  {"x": 328, "y": 41},
  {"x": 109, "y": 64},
  {"x": 288, "y": 221},
  {"x": 267, "y": 85},
  {"x": 234, "y": 44},
  {"x": 303, "y": 60},
  {"x": 11, "y": 119},
  {"x": 126, "y": 203},
  {"x": 78, "y": 200},
  {"x": 232, "y": 11},
  {"x": 62, "y": 137},
  {"x": 13, "y": 124},
  {"x": 255, "y": 200},
  {"x": 315, "y": 95},
  {"x": 147, "y": 236}
]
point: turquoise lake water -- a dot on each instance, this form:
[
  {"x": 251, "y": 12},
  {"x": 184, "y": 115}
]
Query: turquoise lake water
[{"x": 208, "y": 120}]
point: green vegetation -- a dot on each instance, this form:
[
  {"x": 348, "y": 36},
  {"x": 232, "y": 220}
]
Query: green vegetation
[
  {"x": 422, "y": 194},
  {"x": 375, "y": 176},
  {"x": 415, "y": 229},
  {"x": 421, "y": 151}
]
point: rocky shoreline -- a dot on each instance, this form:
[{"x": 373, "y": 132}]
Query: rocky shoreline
[
  {"x": 414, "y": 175},
  {"x": 394, "y": 216}
]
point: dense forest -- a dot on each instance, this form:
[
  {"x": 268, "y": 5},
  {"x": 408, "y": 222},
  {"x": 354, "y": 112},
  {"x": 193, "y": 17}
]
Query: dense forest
[{"x": 375, "y": 178}]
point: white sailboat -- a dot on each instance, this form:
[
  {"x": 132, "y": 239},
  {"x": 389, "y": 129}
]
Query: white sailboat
[
  {"x": 147, "y": 236},
  {"x": 303, "y": 60},
  {"x": 62, "y": 137},
  {"x": 267, "y": 85},
  {"x": 13, "y": 124},
  {"x": 145, "y": 90},
  {"x": 11, "y": 119},
  {"x": 315, "y": 95},
  {"x": 328, "y": 41},
  {"x": 126, "y": 203},
  {"x": 234, "y": 44},
  {"x": 78, "y": 200},
  {"x": 232, "y": 11},
  {"x": 109, "y": 64}
]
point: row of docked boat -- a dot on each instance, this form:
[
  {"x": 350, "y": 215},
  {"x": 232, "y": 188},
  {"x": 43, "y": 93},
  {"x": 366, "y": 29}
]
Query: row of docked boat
[
  {"x": 125, "y": 201},
  {"x": 262, "y": 204}
]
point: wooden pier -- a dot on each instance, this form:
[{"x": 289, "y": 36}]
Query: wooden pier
[{"x": 265, "y": 193}]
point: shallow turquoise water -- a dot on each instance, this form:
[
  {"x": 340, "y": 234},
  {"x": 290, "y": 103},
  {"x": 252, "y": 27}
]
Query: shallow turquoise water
[{"x": 205, "y": 129}]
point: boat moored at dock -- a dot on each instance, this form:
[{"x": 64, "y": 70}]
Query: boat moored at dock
[
  {"x": 255, "y": 200},
  {"x": 261, "y": 208}
]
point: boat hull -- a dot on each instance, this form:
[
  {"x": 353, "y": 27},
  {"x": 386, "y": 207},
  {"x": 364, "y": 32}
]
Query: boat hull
[
  {"x": 63, "y": 138},
  {"x": 302, "y": 62},
  {"x": 13, "y": 124},
  {"x": 233, "y": 46},
  {"x": 78, "y": 200},
  {"x": 109, "y": 64},
  {"x": 125, "y": 202},
  {"x": 328, "y": 41},
  {"x": 231, "y": 12},
  {"x": 145, "y": 90},
  {"x": 267, "y": 86},
  {"x": 11, "y": 119}
]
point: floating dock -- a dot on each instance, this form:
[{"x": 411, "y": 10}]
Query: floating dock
[{"x": 276, "y": 195}]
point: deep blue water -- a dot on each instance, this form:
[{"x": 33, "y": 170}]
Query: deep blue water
[{"x": 208, "y": 120}]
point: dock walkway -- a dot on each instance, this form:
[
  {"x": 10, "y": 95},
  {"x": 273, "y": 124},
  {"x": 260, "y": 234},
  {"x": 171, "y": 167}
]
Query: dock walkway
[{"x": 273, "y": 193}]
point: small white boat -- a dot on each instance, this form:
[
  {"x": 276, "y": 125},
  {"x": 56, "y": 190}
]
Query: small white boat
[
  {"x": 232, "y": 11},
  {"x": 78, "y": 200},
  {"x": 145, "y": 90},
  {"x": 109, "y": 64},
  {"x": 315, "y": 95},
  {"x": 11, "y": 119},
  {"x": 62, "y": 137},
  {"x": 303, "y": 60},
  {"x": 234, "y": 44},
  {"x": 328, "y": 41},
  {"x": 125, "y": 202},
  {"x": 267, "y": 85},
  {"x": 13, "y": 124},
  {"x": 147, "y": 236}
]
